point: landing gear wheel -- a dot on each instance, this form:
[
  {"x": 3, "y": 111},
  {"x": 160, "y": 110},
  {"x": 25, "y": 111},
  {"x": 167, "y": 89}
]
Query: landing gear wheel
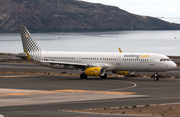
[
  {"x": 156, "y": 78},
  {"x": 104, "y": 76},
  {"x": 83, "y": 76}
]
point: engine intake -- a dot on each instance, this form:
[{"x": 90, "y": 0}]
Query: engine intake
[{"x": 95, "y": 71}]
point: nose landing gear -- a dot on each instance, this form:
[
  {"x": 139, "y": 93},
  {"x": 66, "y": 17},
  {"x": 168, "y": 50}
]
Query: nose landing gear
[{"x": 156, "y": 78}]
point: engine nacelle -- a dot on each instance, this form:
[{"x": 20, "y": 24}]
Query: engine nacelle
[
  {"x": 94, "y": 71},
  {"x": 122, "y": 72}
]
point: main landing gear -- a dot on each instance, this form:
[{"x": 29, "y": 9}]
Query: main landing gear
[
  {"x": 83, "y": 76},
  {"x": 104, "y": 76},
  {"x": 156, "y": 76}
]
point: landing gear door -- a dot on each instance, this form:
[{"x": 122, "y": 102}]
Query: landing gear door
[
  {"x": 118, "y": 61},
  {"x": 152, "y": 58}
]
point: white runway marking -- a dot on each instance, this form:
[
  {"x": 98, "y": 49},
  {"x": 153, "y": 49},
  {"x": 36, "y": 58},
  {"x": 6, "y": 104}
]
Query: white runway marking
[{"x": 133, "y": 85}]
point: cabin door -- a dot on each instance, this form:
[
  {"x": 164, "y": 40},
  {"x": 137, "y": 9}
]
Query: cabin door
[
  {"x": 79, "y": 59},
  {"x": 118, "y": 61},
  {"x": 152, "y": 58}
]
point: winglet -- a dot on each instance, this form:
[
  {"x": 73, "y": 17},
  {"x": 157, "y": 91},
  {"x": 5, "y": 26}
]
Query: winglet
[{"x": 120, "y": 50}]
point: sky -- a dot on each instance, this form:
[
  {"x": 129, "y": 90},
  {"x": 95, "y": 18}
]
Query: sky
[{"x": 154, "y": 8}]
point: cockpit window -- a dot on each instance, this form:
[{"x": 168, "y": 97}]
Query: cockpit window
[
  {"x": 165, "y": 59},
  {"x": 168, "y": 60}
]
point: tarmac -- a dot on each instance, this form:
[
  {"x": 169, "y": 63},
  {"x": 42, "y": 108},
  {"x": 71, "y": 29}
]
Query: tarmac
[{"x": 49, "y": 96}]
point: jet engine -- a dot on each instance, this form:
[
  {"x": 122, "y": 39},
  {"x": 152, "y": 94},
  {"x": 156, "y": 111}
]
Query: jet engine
[
  {"x": 94, "y": 71},
  {"x": 122, "y": 72}
]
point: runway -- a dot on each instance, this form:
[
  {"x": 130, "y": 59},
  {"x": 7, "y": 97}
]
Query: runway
[
  {"x": 23, "y": 95},
  {"x": 47, "y": 95}
]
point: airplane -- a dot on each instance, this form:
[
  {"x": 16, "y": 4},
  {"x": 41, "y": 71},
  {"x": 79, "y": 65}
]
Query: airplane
[{"x": 95, "y": 63}]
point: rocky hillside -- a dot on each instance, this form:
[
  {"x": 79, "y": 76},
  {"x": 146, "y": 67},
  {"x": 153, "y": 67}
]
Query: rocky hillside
[{"x": 69, "y": 15}]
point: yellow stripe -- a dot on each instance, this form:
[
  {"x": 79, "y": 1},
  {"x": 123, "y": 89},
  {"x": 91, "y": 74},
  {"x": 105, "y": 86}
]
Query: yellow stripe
[
  {"x": 27, "y": 54},
  {"x": 66, "y": 90},
  {"x": 90, "y": 91}
]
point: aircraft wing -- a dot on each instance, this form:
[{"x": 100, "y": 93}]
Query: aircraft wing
[
  {"x": 66, "y": 63},
  {"x": 79, "y": 65}
]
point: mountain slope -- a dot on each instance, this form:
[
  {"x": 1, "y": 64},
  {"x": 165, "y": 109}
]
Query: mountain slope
[{"x": 57, "y": 15}]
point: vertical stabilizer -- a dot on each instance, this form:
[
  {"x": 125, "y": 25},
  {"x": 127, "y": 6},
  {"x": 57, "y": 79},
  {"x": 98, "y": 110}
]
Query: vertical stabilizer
[
  {"x": 31, "y": 48},
  {"x": 29, "y": 44}
]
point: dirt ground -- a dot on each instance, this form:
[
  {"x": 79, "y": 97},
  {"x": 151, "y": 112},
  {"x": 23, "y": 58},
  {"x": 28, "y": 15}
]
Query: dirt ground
[{"x": 149, "y": 110}]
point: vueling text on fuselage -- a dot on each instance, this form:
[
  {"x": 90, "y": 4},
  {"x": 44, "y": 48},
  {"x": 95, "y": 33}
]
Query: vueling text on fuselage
[{"x": 136, "y": 56}]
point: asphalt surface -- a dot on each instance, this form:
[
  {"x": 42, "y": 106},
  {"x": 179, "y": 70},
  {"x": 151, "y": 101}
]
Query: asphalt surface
[{"x": 49, "y": 96}]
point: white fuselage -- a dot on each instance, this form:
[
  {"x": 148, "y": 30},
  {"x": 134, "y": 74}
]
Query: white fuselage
[{"x": 112, "y": 61}]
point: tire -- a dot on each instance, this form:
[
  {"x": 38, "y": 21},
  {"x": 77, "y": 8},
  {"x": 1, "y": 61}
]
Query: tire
[
  {"x": 83, "y": 76},
  {"x": 104, "y": 76},
  {"x": 156, "y": 78}
]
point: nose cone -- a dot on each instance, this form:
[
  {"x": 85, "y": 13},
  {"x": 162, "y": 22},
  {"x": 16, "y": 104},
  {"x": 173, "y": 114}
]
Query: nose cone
[{"x": 172, "y": 65}]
